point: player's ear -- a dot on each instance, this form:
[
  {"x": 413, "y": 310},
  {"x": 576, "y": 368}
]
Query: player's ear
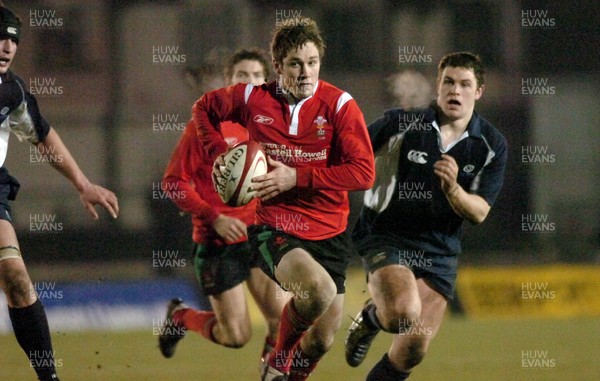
[
  {"x": 479, "y": 92},
  {"x": 277, "y": 67}
]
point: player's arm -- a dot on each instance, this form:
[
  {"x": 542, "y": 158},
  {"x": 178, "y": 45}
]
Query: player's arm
[
  {"x": 90, "y": 194},
  {"x": 210, "y": 110},
  {"x": 177, "y": 180},
  {"x": 473, "y": 205},
  {"x": 28, "y": 124}
]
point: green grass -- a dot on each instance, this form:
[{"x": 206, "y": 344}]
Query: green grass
[{"x": 465, "y": 350}]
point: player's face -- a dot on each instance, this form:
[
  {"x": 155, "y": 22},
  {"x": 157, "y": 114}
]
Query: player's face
[
  {"x": 8, "y": 48},
  {"x": 248, "y": 71},
  {"x": 457, "y": 92},
  {"x": 299, "y": 71}
]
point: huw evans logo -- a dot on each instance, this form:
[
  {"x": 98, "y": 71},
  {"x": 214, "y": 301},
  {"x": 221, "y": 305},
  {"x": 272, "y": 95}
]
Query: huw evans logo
[
  {"x": 291, "y": 288},
  {"x": 537, "y": 155},
  {"x": 46, "y": 291},
  {"x": 166, "y": 191},
  {"x": 536, "y": 291},
  {"x": 167, "y": 259},
  {"x": 537, "y": 18},
  {"x": 167, "y": 123},
  {"x": 43, "y": 155},
  {"x": 290, "y": 17},
  {"x": 44, "y": 223},
  {"x": 536, "y": 359},
  {"x": 414, "y": 258},
  {"x": 290, "y": 222},
  {"x": 413, "y": 54},
  {"x": 413, "y": 122},
  {"x": 45, "y": 19},
  {"x": 167, "y": 55},
  {"x": 537, "y": 223},
  {"x": 44, "y": 359},
  {"x": 45, "y": 87},
  {"x": 537, "y": 87},
  {"x": 413, "y": 191}
]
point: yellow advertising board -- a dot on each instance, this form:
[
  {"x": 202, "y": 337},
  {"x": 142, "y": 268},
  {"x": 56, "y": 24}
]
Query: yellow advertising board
[{"x": 530, "y": 291}]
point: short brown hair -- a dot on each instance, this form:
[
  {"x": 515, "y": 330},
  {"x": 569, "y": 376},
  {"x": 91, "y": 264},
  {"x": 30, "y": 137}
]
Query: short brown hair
[
  {"x": 463, "y": 59},
  {"x": 293, "y": 33},
  {"x": 246, "y": 54}
]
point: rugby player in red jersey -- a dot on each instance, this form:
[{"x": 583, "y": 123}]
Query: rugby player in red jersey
[
  {"x": 318, "y": 149},
  {"x": 222, "y": 256}
]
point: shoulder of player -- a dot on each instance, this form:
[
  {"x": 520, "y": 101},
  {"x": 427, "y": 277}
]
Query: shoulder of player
[
  {"x": 10, "y": 76},
  {"x": 13, "y": 91},
  {"x": 19, "y": 80},
  {"x": 332, "y": 96},
  {"x": 247, "y": 90},
  {"x": 486, "y": 130}
]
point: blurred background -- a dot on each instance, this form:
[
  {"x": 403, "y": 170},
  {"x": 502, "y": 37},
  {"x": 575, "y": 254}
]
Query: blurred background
[{"x": 109, "y": 76}]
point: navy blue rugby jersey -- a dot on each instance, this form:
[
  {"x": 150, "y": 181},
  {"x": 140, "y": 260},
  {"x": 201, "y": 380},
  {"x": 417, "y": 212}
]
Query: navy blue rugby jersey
[
  {"x": 19, "y": 113},
  {"x": 407, "y": 205}
]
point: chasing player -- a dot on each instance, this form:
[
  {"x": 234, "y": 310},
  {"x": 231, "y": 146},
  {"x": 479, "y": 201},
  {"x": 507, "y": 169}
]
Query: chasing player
[
  {"x": 436, "y": 167},
  {"x": 318, "y": 149},
  {"x": 20, "y": 114},
  {"x": 222, "y": 256}
]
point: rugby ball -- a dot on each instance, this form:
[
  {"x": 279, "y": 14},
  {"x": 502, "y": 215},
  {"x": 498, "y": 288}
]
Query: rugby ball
[{"x": 243, "y": 161}]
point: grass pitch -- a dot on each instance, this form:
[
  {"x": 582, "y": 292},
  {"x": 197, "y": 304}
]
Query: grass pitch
[{"x": 465, "y": 350}]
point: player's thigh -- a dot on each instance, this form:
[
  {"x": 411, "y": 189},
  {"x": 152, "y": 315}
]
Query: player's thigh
[
  {"x": 395, "y": 291},
  {"x": 414, "y": 342},
  {"x": 269, "y": 297},
  {"x": 297, "y": 269},
  {"x": 231, "y": 309},
  {"x": 8, "y": 236}
]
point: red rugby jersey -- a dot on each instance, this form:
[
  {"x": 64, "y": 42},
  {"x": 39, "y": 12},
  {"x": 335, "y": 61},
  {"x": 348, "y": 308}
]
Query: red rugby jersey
[
  {"x": 188, "y": 184},
  {"x": 323, "y": 136}
]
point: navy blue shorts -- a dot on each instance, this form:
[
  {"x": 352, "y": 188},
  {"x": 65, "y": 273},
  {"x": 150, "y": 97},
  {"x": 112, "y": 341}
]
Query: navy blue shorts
[
  {"x": 9, "y": 187},
  {"x": 438, "y": 271},
  {"x": 220, "y": 268},
  {"x": 332, "y": 253}
]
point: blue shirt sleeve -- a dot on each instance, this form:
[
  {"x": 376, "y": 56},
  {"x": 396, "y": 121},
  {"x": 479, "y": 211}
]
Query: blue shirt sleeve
[{"x": 490, "y": 179}]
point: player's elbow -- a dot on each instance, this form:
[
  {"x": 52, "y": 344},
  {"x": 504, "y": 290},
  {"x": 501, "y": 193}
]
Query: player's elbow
[
  {"x": 479, "y": 216},
  {"x": 167, "y": 187},
  {"x": 366, "y": 180},
  {"x": 475, "y": 220}
]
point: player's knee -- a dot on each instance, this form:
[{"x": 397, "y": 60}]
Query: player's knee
[
  {"x": 272, "y": 325},
  {"x": 236, "y": 337},
  {"x": 18, "y": 289},
  {"x": 320, "y": 294},
  {"x": 320, "y": 343},
  {"x": 401, "y": 315}
]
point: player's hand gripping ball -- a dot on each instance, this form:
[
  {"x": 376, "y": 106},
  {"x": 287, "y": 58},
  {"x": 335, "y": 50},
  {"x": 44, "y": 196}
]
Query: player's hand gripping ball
[{"x": 243, "y": 161}]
